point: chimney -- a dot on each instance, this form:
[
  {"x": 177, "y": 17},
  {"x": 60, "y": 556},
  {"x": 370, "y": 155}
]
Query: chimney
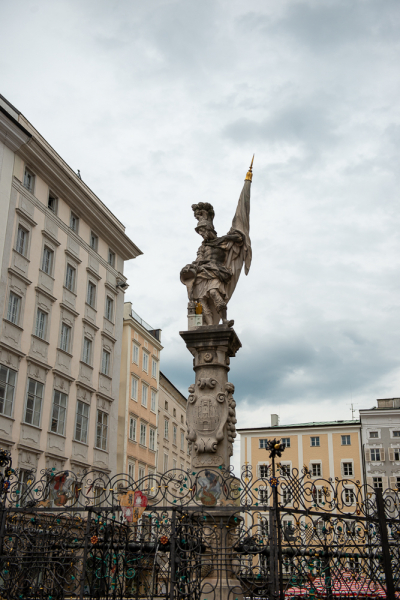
[{"x": 274, "y": 420}]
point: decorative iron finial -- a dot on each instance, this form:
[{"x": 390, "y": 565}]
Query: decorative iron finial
[{"x": 249, "y": 176}]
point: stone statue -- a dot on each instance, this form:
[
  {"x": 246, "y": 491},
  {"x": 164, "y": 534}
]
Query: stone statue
[{"x": 211, "y": 279}]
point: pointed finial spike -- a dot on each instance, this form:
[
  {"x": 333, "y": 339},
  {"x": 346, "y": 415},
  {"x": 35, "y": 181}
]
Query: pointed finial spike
[{"x": 249, "y": 175}]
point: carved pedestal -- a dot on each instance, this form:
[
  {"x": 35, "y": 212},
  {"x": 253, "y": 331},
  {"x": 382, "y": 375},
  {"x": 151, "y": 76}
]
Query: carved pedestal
[{"x": 210, "y": 414}]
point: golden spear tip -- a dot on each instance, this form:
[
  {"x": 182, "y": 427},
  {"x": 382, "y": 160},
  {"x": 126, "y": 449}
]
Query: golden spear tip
[{"x": 249, "y": 175}]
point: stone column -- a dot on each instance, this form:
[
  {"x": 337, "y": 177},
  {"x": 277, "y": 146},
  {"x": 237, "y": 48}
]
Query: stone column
[{"x": 210, "y": 414}]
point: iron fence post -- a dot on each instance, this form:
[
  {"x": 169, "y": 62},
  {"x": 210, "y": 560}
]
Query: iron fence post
[
  {"x": 85, "y": 551},
  {"x": 387, "y": 561},
  {"x": 172, "y": 555}
]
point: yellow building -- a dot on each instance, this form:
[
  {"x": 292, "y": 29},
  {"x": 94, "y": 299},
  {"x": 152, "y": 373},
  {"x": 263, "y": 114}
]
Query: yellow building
[
  {"x": 325, "y": 449},
  {"x": 138, "y": 396}
]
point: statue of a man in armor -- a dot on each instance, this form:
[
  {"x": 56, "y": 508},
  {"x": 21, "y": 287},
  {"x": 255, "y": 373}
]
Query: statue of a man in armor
[{"x": 212, "y": 277}]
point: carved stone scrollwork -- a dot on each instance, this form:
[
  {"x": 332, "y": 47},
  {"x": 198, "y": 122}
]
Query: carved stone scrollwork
[
  {"x": 207, "y": 382},
  {"x": 231, "y": 420}
]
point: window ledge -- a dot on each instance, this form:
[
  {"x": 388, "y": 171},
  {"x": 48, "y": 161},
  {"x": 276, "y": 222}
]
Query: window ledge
[
  {"x": 7, "y": 417},
  {"x": 101, "y": 449},
  {"x": 58, "y": 434},
  {"x": 86, "y": 365},
  {"x": 48, "y": 274},
  {"x": 30, "y": 425},
  {"x": 70, "y": 291},
  {"x": 105, "y": 375},
  {"x": 78, "y": 442},
  {"x": 14, "y": 324},
  {"x": 65, "y": 352},
  {"x": 41, "y": 339},
  {"x": 142, "y": 445},
  {"x": 132, "y": 441},
  {"x": 20, "y": 254},
  {"x": 92, "y": 307}
]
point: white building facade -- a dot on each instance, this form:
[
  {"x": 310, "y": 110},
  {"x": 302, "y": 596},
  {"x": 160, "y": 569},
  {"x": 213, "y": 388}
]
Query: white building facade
[
  {"x": 62, "y": 256},
  {"x": 380, "y": 430}
]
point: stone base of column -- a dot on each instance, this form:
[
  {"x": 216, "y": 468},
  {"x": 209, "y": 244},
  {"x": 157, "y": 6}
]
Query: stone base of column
[{"x": 210, "y": 414}]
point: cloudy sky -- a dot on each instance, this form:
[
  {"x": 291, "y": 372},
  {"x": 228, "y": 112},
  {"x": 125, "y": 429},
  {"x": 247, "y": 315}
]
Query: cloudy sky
[{"x": 162, "y": 103}]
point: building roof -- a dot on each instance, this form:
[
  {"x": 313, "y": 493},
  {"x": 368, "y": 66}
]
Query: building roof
[{"x": 296, "y": 425}]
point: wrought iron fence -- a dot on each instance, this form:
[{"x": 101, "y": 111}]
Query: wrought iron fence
[{"x": 196, "y": 535}]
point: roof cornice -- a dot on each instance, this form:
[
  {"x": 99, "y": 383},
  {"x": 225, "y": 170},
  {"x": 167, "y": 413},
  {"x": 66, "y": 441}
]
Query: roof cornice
[{"x": 12, "y": 134}]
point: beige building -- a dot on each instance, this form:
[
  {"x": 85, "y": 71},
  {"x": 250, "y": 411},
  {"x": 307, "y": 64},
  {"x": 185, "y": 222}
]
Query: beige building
[
  {"x": 326, "y": 449},
  {"x": 172, "y": 443},
  {"x": 138, "y": 396},
  {"x": 62, "y": 256}
]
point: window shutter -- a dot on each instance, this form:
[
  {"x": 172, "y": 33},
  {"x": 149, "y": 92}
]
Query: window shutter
[
  {"x": 367, "y": 455},
  {"x": 393, "y": 483},
  {"x": 385, "y": 483},
  {"x": 258, "y": 471},
  {"x": 391, "y": 454},
  {"x": 342, "y": 468},
  {"x": 370, "y": 482},
  {"x": 382, "y": 451}
]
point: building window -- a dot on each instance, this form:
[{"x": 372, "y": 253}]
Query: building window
[
  {"x": 318, "y": 495},
  {"x": 396, "y": 433},
  {"x": 41, "y": 323},
  {"x": 131, "y": 470},
  {"x": 316, "y": 469},
  {"x": 134, "y": 388},
  {"x": 87, "y": 351},
  {"x": 263, "y": 443},
  {"x": 142, "y": 475},
  {"x": 111, "y": 258},
  {"x": 375, "y": 454},
  {"x": 166, "y": 405},
  {"x": 109, "y": 308},
  {"x": 154, "y": 368},
  {"x": 58, "y": 413},
  {"x": 182, "y": 419},
  {"x": 152, "y": 439},
  {"x": 174, "y": 463},
  {"x": 166, "y": 428},
  {"x": 29, "y": 180},
  {"x": 165, "y": 462},
  {"x": 142, "y": 434},
  {"x": 174, "y": 412},
  {"x": 346, "y": 440},
  {"x": 94, "y": 241},
  {"x": 174, "y": 433},
  {"x": 396, "y": 453},
  {"x": 132, "y": 429},
  {"x": 65, "y": 337},
  {"x": 398, "y": 483},
  {"x": 377, "y": 483},
  {"x": 70, "y": 278},
  {"x": 22, "y": 240},
  {"x": 263, "y": 470},
  {"x": 285, "y": 470},
  {"x": 74, "y": 222},
  {"x": 285, "y": 442},
  {"x": 82, "y": 421},
  {"x": 153, "y": 400},
  {"x": 47, "y": 260},
  {"x": 14, "y": 303},
  {"x": 34, "y": 402},
  {"x": 101, "y": 430},
  {"x": 105, "y": 363},
  {"x": 373, "y": 434},
  {"x": 263, "y": 494},
  {"x": 315, "y": 440},
  {"x": 91, "y": 294},
  {"x": 52, "y": 203},
  {"x": 7, "y": 389},
  {"x": 135, "y": 353},
  {"x": 144, "y": 395},
  {"x": 145, "y": 361},
  {"x": 348, "y": 469},
  {"x": 182, "y": 440},
  {"x": 286, "y": 496}
]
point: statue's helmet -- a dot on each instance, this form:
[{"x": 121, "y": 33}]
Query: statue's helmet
[{"x": 204, "y": 213}]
